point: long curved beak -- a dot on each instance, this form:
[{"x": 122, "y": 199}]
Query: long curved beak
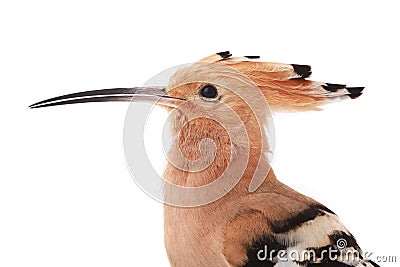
[{"x": 155, "y": 94}]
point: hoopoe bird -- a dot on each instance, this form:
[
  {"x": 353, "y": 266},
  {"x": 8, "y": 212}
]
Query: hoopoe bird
[{"x": 223, "y": 204}]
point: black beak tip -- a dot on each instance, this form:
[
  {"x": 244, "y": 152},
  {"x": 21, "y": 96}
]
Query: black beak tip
[{"x": 35, "y": 105}]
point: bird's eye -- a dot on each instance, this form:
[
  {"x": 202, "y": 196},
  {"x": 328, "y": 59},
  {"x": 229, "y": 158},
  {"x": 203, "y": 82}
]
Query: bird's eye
[{"x": 208, "y": 91}]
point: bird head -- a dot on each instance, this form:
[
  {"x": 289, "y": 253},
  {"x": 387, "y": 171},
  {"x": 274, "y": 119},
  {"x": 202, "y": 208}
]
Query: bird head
[{"x": 220, "y": 112}]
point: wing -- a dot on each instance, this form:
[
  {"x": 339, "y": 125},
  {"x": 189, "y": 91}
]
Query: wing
[
  {"x": 281, "y": 227},
  {"x": 285, "y": 86},
  {"x": 319, "y": 241}
]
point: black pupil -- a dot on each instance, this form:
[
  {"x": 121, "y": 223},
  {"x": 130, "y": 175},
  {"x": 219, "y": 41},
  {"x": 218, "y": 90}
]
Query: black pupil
[{"x": 209, "y": 91}]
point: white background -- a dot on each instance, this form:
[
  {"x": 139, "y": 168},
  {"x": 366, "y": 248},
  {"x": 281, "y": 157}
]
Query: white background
[{"x": 66, "y": 196}]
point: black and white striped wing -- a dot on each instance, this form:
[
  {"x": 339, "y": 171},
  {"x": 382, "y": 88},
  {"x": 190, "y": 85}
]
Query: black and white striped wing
[{"x": 313, "y": 238}]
